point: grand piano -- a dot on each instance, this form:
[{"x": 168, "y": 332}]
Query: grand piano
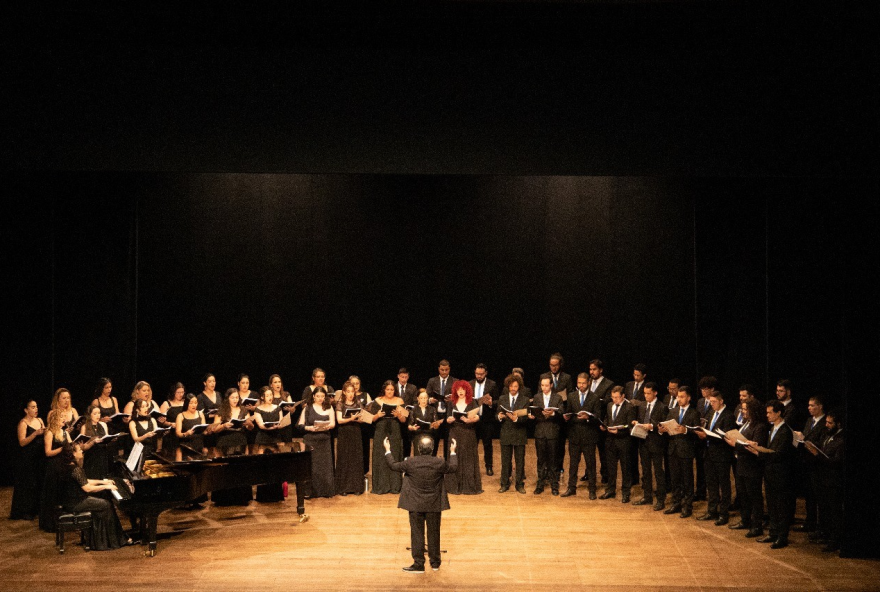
[{"x": 173, "y": 478}]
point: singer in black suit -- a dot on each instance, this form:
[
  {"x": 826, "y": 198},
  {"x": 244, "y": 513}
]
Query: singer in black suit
[
  {"x": 583, "y": 433},
  {"x": 620, "y": 412},
  {"x": 749, "y": 470},
  {"x": 680, "y": 454},
  {"x": 410, "y": 394},
  {"x": 424, "y": 496},
  {"x": 718, "y": 459},
  {"x": 778, "y": 466},
  {"x": 601, "y": 386},
  {"x": 546, "y": 435},
  {"x": 814, "y": 431},
  {"x": 652, "y": 450},
  {"x": 514, "y": 434},
  {"x": 486, "y": 393},
  {"x": 563, "y": 385},
  {"x": 439, "y": 388},
  {"x": 634, "y": 390}
]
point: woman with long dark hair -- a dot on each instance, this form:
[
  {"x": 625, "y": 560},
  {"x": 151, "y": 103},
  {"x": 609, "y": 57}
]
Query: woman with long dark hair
[
  {"x": 30, "y": 464},
  {"x": 387, "y": 425},
  {"x": 317, "y": 420},
  {"x": 98, "y": 455},
  {"x": 229, "y": 427},
  {"x": 265, "y": 414},
  {"x": 749, "y": 469},
  {"x": 172, "y": 407},
  {"x": 349, "y": 461}
]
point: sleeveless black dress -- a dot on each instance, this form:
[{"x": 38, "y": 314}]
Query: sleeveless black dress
[
  {"x": 230, "y": 442},
  {"x": 323, "y": 481},
  {"x": 96, "y": 460},
  {"x": 349, "y": 455},
  {"x": 270, "y": 492},
  {"x": 51, "y": 494},
  {"x": 30, "y": 467}
]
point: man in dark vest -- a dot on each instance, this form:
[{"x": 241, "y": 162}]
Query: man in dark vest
[{"x": 424, "y": 496}]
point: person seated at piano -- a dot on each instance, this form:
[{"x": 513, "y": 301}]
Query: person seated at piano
[
  {"x": 54, "y": 439},
  {"x": 106, "y": 532},
  {"x": 317, "y": 420},
  {"x": 142, "y": 427},
  {"x": 97, "y": 455},
  {"x": 266, "y": 413},
  {"x": 387, "y": 425},
  {"x": 349, "y": 452},
  {"x": 29, "y": 466},
  {"x": 423, "y": 419},
  {"x": 62, "y": 404},
  {"x": 186, "y": 422},
  {"x": 229, "y": 426}
]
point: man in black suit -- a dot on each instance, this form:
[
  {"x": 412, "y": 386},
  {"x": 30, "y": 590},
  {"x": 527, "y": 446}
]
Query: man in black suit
[
  {"x": 790, "y": 413},
  {"x": 486, "y": 393},
  {"x": 523, "y": 389},
  {"x": 601, "y": 386},
  {"x": 423, "y": 495},
  {"x": 513, "y": 435},
  {"x": 409, "y": 393},
  {"x": 439, "y": 389},
  {"x": 634, "y": 391},
  {"x": 718, "y": 459},
  {"x": 620, "y": 412},
  {"x": 546, "y": 434},
  {"x": 670, "y": 401},
  {"x": 562, "y": 384},
  {"x": 778, "y": 475},
  {"x": 583, "y": 433},
  {"x": 814, "y": 431},
  {"x": 708, "y": 386},
  {"x": 681, "y": 454},
  {"x": 652, "y": 449},
  {"x": 830, "y": 494}
]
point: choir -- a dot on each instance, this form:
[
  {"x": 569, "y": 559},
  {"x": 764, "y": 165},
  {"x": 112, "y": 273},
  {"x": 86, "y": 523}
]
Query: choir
[{"x": 690, "y": 449}]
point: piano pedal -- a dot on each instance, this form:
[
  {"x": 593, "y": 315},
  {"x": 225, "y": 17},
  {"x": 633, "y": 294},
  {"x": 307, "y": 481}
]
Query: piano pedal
[{"x": 303, "y": 518}]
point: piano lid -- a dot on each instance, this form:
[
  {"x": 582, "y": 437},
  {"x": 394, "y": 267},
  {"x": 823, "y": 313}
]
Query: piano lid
[{"x": 184, "y": 455}]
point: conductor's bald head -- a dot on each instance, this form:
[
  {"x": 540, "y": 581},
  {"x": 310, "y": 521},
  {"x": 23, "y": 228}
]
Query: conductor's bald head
[{"x": 425, "y": 445}]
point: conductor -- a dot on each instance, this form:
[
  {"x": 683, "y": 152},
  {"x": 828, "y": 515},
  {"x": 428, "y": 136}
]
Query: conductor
[{"x": 424, "y": 496}]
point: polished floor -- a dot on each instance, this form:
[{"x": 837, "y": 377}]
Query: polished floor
[{"x": 493, "y": 542}]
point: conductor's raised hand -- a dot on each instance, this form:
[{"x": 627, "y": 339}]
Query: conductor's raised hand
[
  {"x": 452, "y": 447},
  {"x": 387, "y": 444}
]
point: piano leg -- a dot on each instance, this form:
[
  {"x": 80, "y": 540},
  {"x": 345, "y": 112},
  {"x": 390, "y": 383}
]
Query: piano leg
[
  {"x": 301, "y": 501},
  {"x": 151, "y": 522}
]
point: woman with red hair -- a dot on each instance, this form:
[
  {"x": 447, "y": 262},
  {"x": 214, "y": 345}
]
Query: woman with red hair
[{"x": 463, "y": 418}]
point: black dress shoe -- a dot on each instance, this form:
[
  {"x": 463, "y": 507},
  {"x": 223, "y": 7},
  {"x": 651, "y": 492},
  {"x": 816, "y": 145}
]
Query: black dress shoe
[
  {"x": 659, "y": 506},
  {"x": 489, "y": 471},
  {"x": 569, "y": 493},
  {"x": 686, "y": 513},
  {"x": 414, "y": 569},
  {"x": 643, "y": 502},
  {"x": 754, "y": 533},
  {"x": 707, "y": 517},
  {"x": 804, "y": 528},
  {"x": 584, "y": 478},
  {"x": 625, "y": 498},
  {"x": 503, "y": 489},
  {"x": 768, "y": 539},
  {"x": 738, "y": 526},
  {"x": 673, "y": 510},
  {"x": 831, "y": 547},
  {"x": 722, "y": 520},
  {"x": 520, "y": 489},
  {"x": 554, "y": 491},
  {"x": 538, "y": 490},
  {"x": 592, "y": 495},
  {"x": 779, "y": 544},
  {"x": 608, "y": 495}
]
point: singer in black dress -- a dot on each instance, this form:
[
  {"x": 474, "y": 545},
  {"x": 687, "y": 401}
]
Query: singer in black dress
[
  {"x": 173, "y": 407},
  {"x": 318, "y": 438},
  {"x": 186, "y": 422},
  {"x": 268, "y": 412},
  {"x": 463, "y": 429},
  {"x": 366, "y": 428},
  {"x": 106, "y": 530},
  {"x": 29, "y": 466},
  {"x": 98, "y": 455},
  {"x": 349, "y": 460},
  {"x": 387, "y": 426},
  {"x": 279, "y": 395},
  {"x": 421, "y": 413},
  {"x": 54, "y": 438},
  {"x": 230, "y": 440},
  {"x": 142, "y": 427}
]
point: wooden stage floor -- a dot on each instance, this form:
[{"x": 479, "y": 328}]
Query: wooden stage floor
[{"x": 495, "y": 542}]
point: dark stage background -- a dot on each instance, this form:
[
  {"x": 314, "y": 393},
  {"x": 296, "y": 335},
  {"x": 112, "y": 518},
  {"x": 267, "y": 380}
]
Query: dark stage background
[{"x": 223, "y": 187}]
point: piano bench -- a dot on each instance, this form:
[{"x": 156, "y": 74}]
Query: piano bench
[{"x": 68, "y": 521}]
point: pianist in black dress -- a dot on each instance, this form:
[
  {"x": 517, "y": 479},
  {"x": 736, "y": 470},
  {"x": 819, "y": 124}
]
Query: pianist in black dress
[
  {"x": 29, "y": 466},
  {"x": 98, "y": 455},
  {"x": 106, "y": 530},
  {"x": 265, "y": 413},
  {"x": 423, "y": 413},
  {"x": 186, "y": 422},
  {"x": 229, "y": 427},
  {"x": 349, "y": 458},
  {"x": 317, "y": 420},
  {"x": 387, "y": 426}
]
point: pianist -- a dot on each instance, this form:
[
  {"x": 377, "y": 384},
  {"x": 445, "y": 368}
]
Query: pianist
[{"x": 106, "y": 530}]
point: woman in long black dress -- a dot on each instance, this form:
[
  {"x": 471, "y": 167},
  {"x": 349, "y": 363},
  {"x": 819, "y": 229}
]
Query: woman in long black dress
[
  {"x": 107, "y": 402},
  {"x": 463, "y": 429},
  {"x": 62, "y": 404},
  {"x": 29, "y": 466},
  {"x": 98, "y": 455},
  {"x": 317, "y": 420},
  {"x": 423, "y": 420},
  {"x": 172, "y": 407},
  {"x": 54, "y": 438},
  {"x": 186, "y": 422},
  {"x": 106, "y": 530},
  {"x": 349, "y": 460},
  {"x": 366, "y": 428},
  {"x": 387, "y": 426},
  {"x": 231, "y": 439},
  {"x": 279, "y": 395},
  {"x": 267, "y": 413},
  {"x": 142, "y": 427}
]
